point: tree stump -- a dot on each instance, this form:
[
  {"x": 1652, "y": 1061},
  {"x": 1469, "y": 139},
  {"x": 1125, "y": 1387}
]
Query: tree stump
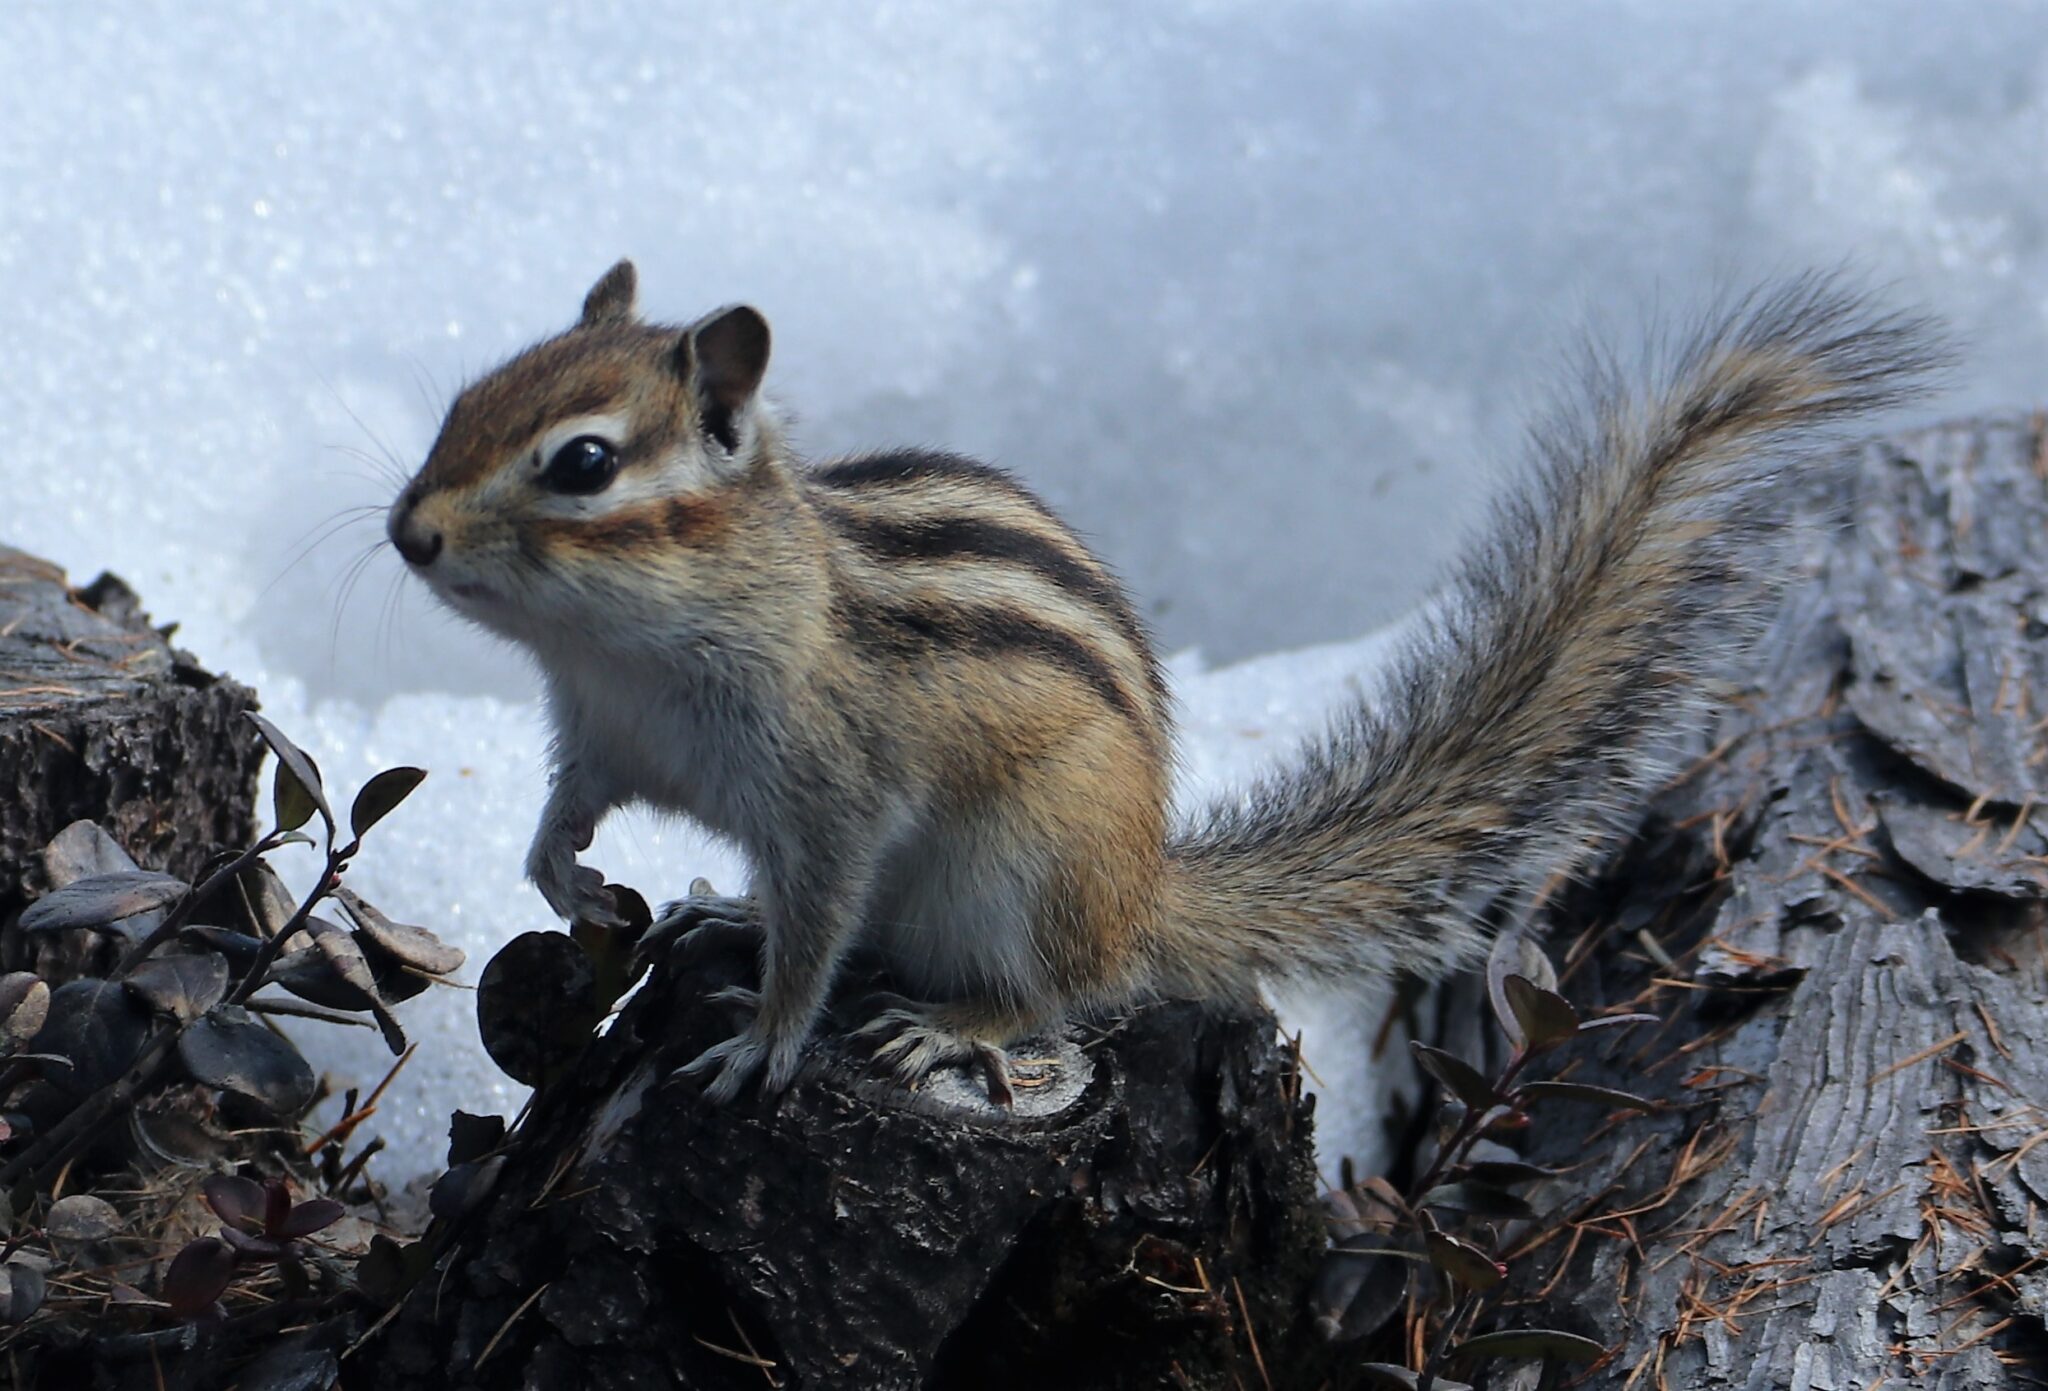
[
  {"x": 101, "y": 719},
  {"x": 1840, "y": 914},
  {"x": 1144, "y": 1216}
]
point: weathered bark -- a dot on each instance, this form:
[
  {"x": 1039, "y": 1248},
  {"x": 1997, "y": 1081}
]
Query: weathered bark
[
  {"x": 1118, "y": 1229},
  {"x": 1840, "y": 914},
  {"x": 101, "y": 719}
]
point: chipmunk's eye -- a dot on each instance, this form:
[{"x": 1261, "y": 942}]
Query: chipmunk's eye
[{"x": 586, "y": 464}]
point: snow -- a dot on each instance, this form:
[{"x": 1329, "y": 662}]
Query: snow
[{"x": 1255, "y": 293}]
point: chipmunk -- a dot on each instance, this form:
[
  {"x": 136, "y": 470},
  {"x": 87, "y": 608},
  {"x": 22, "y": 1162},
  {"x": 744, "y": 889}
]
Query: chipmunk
[{"x": 935, "y": 724}]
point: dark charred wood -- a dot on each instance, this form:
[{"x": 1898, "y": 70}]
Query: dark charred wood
[
  {"x": 101, "y": 719},
  {"x": 1145, "y": 1217}
]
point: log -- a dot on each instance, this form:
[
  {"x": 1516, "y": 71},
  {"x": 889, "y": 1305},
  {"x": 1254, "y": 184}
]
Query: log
[
  {"x": 1839, "y": 912},
  {"x": 102, "y": 719}
]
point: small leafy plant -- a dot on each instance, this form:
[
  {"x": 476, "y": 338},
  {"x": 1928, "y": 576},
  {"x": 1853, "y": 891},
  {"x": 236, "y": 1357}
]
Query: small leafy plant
[
  {"x": 138, "y": 1034},
  {"x": 262, "y": 1226},
  {"x": 1447, "y": 1228}
]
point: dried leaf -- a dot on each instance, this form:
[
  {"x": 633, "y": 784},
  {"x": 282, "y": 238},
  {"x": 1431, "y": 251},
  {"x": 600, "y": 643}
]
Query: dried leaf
[
  {"x": 380, "y": 795},
  {"x": 461, "y": 1188},
  {"x": 100, "y": 899},
  {"x": 1479, "y": 1199},
  {"x": 1616, "y": 1021},
  {"x": 1530, "y": 1343},
  {"x": 473, "y": 1137},
  {"x": 1462, "y": 1261},
  {"x": 1502, "y": 1172},
  {"x": 1356, "y": 1292},
  {"x": 1581, "y": 1091},
  {"x": 183, "y": 985},
  {"x": 229, "y": 1050},
  {"x": 24, "y": 1005},
  {"x": 536, "y": 1005},
  {"x": 1387, "y": 1374},
  {"x": 270, "y": 902},
  {"x": 1459, "y": 1077},
  {"x": 389, "y": 1269},
  {"x": 82, "y": 1218},
  {"x": 24, "y": 1291},
  {"x": 405, "y": 944},
  {"x": 97, "y": 1031},
  {"x": 80, "y": 850},
  {"x": 1514, "y": 954},
  {"x": 296, "y": 792},
  {"x": 1546, "y": 1018}
]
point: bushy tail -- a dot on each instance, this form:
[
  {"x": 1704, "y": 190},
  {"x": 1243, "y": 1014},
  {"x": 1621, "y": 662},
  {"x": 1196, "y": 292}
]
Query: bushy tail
[{"x": 1544, "y": 696}]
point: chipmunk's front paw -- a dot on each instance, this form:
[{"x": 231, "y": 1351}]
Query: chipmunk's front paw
[
  {"x": 705, "y": 924},
  {"x": 754, "y": 1051},
  {"x": 580, "y": 896},
  {"x": 912, "y": 1040}
]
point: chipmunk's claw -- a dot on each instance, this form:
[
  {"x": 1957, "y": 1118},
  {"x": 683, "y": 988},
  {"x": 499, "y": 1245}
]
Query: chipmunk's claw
[
  {"x": 913, "y": 1040},
  {"x": 704, "y": 925}
]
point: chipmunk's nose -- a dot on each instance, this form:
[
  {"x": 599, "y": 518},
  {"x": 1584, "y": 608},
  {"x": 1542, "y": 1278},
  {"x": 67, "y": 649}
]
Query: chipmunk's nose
[{"x": 418, "y": 544}]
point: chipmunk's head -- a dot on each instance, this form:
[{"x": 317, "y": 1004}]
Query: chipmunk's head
[{"x": 599, "y": 473}]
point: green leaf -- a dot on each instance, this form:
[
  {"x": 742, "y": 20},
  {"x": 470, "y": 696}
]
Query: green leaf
[
  {"x": 1463, "y": 1262},
  {"x": 297, "y": 777},
  {"x": 1546, "y": 1018},
  {"x": 380, "y": 795},
  {"x": 1582, "y": 1091},
  {"x": 1530, "y": 1343},
  {"x": 1459, "y": 1077}
]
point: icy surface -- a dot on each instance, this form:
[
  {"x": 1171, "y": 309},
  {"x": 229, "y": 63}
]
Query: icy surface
[{"x": 1255, "y": 293}]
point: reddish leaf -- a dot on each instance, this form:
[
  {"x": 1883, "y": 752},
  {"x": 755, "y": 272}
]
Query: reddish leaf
[
  {"x": 198, "y": 1276},
  {"x": 310, "y": 1216},
  {"x": 277, "y": 1205},
  {"x": 239, "y": 1202}
]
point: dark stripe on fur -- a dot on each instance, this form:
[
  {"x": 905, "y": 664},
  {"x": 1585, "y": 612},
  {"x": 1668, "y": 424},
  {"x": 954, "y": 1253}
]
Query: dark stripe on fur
[
  {"x": 918, "y": 466},
  {"x": 962, "y": 537},
  {"x": 918, "y": 630}
]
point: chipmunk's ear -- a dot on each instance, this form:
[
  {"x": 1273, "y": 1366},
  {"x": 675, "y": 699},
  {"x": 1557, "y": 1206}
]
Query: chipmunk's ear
[
  {"x": 723, "y": 357},
  {"x": 610, "y": 300}
]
